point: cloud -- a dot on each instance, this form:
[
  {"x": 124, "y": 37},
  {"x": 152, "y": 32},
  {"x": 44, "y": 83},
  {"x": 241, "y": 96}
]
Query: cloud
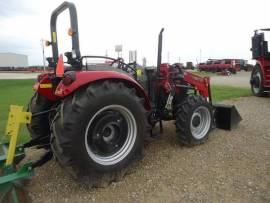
[
  {"x": 15, "y": 8},
  {"x": 218, "y": 28},
  {"x": 20, "y": 45}
]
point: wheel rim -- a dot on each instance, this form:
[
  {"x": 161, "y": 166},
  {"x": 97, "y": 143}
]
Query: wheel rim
[
  {"x": 200, "y": 122},
  {"x": 110, "y": 135},
  {"x": 257, "y": 85}
]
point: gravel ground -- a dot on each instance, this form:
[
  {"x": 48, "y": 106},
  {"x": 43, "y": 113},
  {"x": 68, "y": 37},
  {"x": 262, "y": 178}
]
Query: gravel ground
[
  {"x": 231, "y": 167},
  {"x": 241, "y": 79},
  {"x": 18, "y": 75}
]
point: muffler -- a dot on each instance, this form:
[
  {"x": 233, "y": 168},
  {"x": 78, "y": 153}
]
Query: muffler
[{"x": 226, "y": 116}]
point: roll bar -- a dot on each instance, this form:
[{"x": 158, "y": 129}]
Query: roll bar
[{"x": 74, "y": 26}]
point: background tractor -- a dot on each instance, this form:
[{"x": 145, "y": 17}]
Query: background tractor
[
  {"x": 260, "y": 75},
  {"x": 93, "y": 120}
]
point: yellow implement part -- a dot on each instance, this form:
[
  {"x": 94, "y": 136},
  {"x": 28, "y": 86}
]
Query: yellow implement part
[{"x": 15, "y": 118}]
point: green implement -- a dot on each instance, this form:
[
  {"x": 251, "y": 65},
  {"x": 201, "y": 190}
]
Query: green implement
[{"x": 11, "y": 175}]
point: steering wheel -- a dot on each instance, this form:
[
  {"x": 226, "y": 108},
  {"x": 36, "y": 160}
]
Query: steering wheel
[
  {"x": 178, "y": 67},
  {"x": 125, "y": 67},
  {"x": 120, "y": 62}
]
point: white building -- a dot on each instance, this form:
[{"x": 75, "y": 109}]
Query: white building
[{"x": 13, "y": 60}]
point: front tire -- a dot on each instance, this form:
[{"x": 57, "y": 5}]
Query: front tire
[
  {"x": 194, "y": 120},
  {"x": 98, "y": 132}
]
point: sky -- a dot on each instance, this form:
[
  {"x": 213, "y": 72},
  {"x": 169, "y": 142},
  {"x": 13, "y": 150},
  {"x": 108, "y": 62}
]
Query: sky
[{"x": 195, "y": 30}]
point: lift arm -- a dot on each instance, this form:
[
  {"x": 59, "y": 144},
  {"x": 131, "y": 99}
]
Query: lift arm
[{"x": 201, "y": 84}]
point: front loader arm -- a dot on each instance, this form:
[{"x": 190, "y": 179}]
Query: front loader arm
[
  {"x": 226, "y": 116},
  {"x": 201, "y": 84}
]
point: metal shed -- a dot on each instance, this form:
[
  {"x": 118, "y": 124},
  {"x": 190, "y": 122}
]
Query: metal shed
[{"x": 13, "y": 60}]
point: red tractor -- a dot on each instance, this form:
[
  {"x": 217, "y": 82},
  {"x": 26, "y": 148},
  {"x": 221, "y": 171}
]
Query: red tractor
[
  {"x": 260, "y": 75},
  {"x": 94, "y": 120}
]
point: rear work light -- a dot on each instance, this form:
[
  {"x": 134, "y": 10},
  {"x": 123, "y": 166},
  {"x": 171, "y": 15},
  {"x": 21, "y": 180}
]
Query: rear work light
[{"x": 69, "y": 78}]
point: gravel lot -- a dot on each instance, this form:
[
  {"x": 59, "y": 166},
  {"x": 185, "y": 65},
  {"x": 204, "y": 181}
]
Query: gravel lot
[
  {"x": 241, "y": 79},
  {"x": 18, "y": 75},
  {"x": 231, "y": 167}
]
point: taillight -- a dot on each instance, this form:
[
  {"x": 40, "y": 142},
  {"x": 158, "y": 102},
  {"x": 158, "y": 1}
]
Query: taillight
[{"x": 69, "y": 78}]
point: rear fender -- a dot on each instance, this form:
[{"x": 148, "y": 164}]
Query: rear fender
[{"x": 83, "y": 78}]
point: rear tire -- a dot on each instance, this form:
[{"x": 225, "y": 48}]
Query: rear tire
[
  {"x": 194, "y": 120},
  {"x": 39, "y": 126},
  {"x": 87, "y": 139}
]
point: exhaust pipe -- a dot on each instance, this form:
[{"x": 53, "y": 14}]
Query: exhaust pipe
[
  {"x": 226, "y": 117},
  {"x": 159, "y": 58}
]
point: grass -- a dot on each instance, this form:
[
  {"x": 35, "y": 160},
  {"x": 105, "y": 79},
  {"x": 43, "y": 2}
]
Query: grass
[
  {"x": 220, "y": 93},
  {"x": 16, "y": 92},
  {"x": 19, "y": 92}
]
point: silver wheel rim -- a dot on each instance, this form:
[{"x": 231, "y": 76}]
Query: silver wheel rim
[
  {"x": 257, "y": 89},
  {"x": 199, "y": 129},
  {"x": 128, "y": 144}
]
